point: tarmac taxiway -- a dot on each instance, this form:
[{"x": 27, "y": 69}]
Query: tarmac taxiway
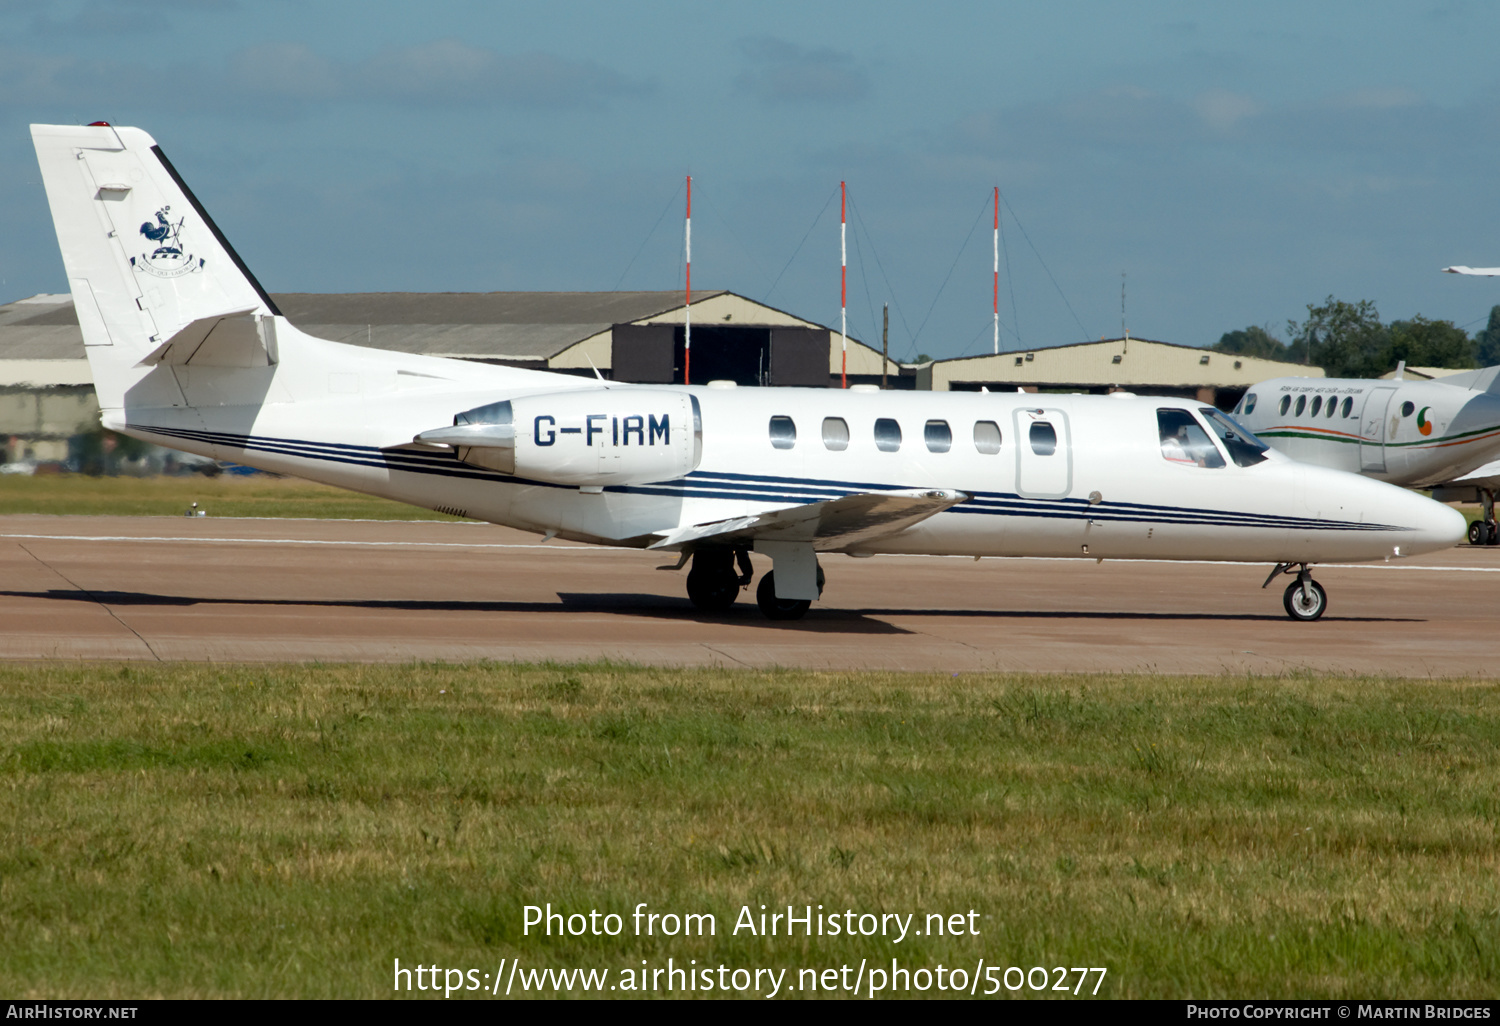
[{"x": 175, "y": 588}]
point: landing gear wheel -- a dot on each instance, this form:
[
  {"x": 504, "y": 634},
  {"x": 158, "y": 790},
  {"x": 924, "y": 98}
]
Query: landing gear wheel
[
  {"x": 712, "y": 584},
  {"x": 782, "y": 609},
  {"x": 1478, "y": 533},
  {"x": 1305, "y": 607},
  {"x": 1493, "y": 534}
]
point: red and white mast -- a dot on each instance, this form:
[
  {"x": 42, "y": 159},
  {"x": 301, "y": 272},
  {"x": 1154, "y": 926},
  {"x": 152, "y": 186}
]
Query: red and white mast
[
  {"x": 843, "y": 295},
  {"x": 997, "y": 269},
  {"x": 687, "y": 305}
]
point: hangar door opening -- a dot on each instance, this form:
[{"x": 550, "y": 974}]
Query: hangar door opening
[
  {"x": 746, "y": 355},
  {"x": 741, "y": 355}
]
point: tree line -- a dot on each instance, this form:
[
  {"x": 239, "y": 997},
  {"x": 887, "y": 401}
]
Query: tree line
[{"x": 1349, "y": 340}]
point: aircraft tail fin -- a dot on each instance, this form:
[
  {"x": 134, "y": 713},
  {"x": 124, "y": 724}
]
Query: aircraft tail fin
[{"x": 153, "y": 279}]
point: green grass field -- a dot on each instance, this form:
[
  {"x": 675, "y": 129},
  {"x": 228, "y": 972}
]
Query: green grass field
[
  {"x": 193, "y": 830},
  {"x": 225, "y": 496}
]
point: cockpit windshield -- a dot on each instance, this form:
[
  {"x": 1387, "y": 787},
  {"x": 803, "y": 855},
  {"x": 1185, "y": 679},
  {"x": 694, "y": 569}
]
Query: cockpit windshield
[
  {"x": 1244, "y": 448},
  {"x": 1184, "y": 441}
]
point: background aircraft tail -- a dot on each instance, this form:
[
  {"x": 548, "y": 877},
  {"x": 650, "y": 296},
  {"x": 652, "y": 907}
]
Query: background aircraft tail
[{"x": 153, "y": 279}]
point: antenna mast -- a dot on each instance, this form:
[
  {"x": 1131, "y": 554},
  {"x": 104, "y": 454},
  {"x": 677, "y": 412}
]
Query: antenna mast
[
  {"x": 843, "y": 295},
  {"x": 687, "y": 305},
  {"x": 997, "y": 270},
  {"x": 885, "y": 344}
]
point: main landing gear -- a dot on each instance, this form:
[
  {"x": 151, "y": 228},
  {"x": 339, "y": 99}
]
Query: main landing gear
[
  {"x": 718, "y": 574},
  {"x": 1304, "y": 599},
  {"x": 778, "y": 608},
  {"x": 1485, "y": 531}
]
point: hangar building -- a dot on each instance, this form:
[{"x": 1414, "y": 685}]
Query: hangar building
[
  {"x": 46, "y": 394},
  {"x": 1110, "y": 365}
]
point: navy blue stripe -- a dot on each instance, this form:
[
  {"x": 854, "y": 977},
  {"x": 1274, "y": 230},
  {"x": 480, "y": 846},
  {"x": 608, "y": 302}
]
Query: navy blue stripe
[{"x": 768, "y": 488}]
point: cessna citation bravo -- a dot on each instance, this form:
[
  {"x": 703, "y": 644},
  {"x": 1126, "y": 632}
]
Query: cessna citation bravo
[{"x": 188, "y": 351}]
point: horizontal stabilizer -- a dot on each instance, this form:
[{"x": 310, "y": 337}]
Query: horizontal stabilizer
[
  {"x": 1479, "y": 272},
  {"x": 831, "y": 524},
  {"x": 238, "y": 338}
]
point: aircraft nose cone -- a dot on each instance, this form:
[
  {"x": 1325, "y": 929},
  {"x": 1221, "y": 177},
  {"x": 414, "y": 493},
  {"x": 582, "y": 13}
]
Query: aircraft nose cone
[{"x": 1430, "y": 526}]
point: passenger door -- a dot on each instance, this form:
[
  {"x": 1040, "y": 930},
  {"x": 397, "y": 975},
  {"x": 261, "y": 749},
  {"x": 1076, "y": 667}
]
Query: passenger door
[
  {"x": 1044, "y": 453},
  {"x": 1372, "y": 430}
]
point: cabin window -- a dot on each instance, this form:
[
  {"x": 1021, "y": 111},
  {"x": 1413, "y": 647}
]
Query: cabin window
[
  {"x": 783, "y": 432},
  {"x": 1043, "y": 438},
  {"x": 835, "y": 434},
  {"x": 1407, "y": 409},
  {"x": 1249, "y": 404},
  {"x": 887, "y": 435},
  {"x": 1333, "y": 406},
  {"x": 1301, "y": 404},
  {"x": 1286, "y": 404},
  {"x": 1348, "y": 405},
  {"x": 1317, "y": 406},
  {"x": 987, "y": 437},
  {"x": 1244, "y": 448},
  {"x": 938, "y": 435},
  {"x": 1183, "y": 440}
]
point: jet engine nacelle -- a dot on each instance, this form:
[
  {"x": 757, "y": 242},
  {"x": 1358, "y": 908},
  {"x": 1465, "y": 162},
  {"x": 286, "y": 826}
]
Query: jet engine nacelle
[{"x": 592, "y": 437}]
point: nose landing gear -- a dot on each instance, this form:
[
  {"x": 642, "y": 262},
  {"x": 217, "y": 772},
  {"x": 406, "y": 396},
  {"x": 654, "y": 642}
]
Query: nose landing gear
[{"x": 1304, "y": 599}]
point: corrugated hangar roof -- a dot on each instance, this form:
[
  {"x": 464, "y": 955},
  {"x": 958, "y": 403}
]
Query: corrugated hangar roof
[
  {"x": 493, "y": 325},
  {"x": 42, "y": 327},
  {"x": 483, "y": 325},
  {"x": 1122, "y": 362}
]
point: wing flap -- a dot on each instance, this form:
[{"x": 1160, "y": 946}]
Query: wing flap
[{"x": 831, "y": 524}]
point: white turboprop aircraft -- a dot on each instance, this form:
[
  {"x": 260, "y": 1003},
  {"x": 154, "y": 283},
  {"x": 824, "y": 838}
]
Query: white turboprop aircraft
[
  {"x": 188, "y": 351},
  {"x": 1418, "y": 434}
]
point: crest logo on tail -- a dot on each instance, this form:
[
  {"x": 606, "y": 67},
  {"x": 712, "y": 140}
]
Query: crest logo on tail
[{"x": 170, "y": 258}]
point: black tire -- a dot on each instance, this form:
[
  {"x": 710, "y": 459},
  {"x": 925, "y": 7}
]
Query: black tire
[
  {"x": 1478, "y": 533},
  {"x": 781, "y": 609},
  {"x": 1493, "y": 534},
  {"x": 712, "y": 584},
  {"x": 1299, "y": 608}
]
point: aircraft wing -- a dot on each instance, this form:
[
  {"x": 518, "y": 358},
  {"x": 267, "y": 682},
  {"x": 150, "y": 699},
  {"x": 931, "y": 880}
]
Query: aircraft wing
[
  {"x": 831, "y": 524},
  {"x": 1487, "y": 476},
  {"x": 1481, "y": 272}
]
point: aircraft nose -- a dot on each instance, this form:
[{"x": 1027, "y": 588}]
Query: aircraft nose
[{"x": 1430, "y": 526}]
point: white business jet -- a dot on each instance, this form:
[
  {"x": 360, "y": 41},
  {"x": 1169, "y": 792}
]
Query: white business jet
[{"x": 187, "y": 350}]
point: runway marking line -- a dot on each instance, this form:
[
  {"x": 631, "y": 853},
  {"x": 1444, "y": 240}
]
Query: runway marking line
[{"x": 316, "y": 541}]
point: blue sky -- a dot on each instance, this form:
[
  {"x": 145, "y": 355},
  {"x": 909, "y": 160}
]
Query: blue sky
[{"x": 1237, "y": 162}]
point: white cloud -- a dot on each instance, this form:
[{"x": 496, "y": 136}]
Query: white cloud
[{"x": 1222, "y": 110}]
